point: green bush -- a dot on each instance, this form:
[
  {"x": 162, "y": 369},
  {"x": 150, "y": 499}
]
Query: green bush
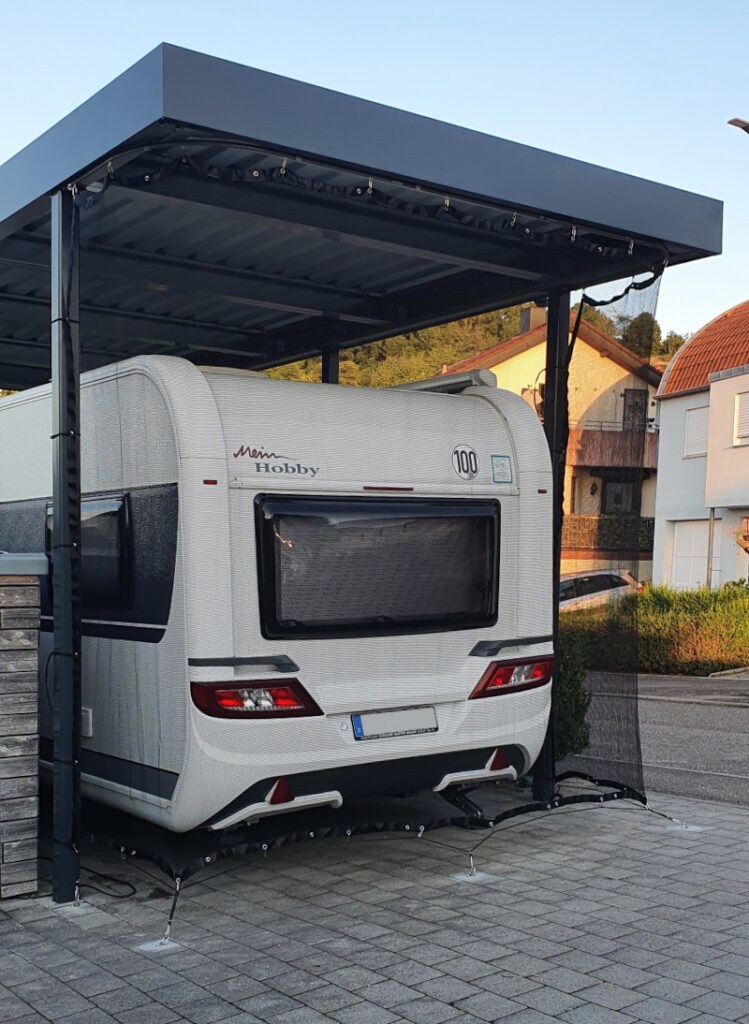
[
  {"x": 661, "y": 630},
  {"x": 571, "y": 700}
]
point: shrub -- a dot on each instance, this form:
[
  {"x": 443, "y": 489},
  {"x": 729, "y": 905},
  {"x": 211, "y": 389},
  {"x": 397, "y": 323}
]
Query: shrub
[
  {"x": 661, "y": 630},
  {"x": 571, "y": 700}
]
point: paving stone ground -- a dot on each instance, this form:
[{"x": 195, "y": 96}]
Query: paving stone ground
[{"x": 587, "y": 915}]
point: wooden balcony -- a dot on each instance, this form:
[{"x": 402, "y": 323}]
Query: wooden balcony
[{"x": 612, "y": 447}]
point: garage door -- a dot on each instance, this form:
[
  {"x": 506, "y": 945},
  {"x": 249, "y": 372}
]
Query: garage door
[{"x": 689, "y": 568}]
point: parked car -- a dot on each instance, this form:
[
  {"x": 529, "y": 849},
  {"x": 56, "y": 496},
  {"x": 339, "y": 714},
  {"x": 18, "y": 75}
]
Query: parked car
[{"x": 589, "y": 589}]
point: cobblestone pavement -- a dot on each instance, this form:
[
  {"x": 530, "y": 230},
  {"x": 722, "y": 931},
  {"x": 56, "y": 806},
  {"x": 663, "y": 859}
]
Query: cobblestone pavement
[{"x": 585, "y": 915}]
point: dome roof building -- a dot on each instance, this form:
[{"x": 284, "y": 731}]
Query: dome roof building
[
  {"x": 702, "y": 495},
  {"x": 720, "y": 345}
]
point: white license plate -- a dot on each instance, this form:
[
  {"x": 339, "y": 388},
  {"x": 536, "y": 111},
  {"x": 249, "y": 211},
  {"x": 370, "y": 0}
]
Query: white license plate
[{"x": 377, "y": 725}]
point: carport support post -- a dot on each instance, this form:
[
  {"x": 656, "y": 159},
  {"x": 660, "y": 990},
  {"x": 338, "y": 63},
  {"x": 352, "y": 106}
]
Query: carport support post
[
  {"x": 330, "y": 364},
  {"x": 66, "y": 537},
  {"x": 555, "y": 426}
]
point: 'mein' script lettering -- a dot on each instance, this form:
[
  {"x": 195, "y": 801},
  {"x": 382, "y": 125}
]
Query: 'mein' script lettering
[{"x": 256, "y": 453}]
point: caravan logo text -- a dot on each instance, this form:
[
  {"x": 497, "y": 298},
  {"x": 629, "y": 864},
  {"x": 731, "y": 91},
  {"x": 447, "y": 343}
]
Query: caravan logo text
[{"x": 287, "y": 466}]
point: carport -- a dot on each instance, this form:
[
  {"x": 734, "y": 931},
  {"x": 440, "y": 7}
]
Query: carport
[{"x": 202, "y": 209}]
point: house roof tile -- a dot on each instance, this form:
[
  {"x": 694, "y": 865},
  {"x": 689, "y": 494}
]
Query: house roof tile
[{"x": 720, "y": 345}]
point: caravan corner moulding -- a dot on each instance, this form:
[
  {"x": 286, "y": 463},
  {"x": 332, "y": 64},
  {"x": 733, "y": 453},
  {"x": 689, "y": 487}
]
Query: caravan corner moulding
[{"x": 317, "y": 632}]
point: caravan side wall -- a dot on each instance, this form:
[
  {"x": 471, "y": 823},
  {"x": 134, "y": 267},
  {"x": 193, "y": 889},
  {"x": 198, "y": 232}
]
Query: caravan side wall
[{"x": 135, "y": 720}]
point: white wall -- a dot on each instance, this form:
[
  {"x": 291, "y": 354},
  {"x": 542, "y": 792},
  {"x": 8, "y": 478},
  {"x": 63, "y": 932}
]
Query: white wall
[
  {"x": 680, "y": 491},
  {"x": 688, "y": 486},
  {"x": 728, "y": 462}
]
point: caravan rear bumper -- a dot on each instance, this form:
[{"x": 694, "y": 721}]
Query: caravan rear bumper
[{"x": 403, "y": 775}]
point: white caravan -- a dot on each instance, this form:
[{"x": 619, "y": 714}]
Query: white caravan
[{"x": 294, "y": 593}]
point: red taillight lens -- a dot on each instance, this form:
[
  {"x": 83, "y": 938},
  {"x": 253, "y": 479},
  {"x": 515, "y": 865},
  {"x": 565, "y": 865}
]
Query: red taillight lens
[
  {"x": 514, "y": 676},
  {"x": 260, "y": 698}
]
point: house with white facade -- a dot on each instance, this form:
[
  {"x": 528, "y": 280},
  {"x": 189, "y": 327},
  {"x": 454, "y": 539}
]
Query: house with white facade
[{"x": 702, "y": 496}]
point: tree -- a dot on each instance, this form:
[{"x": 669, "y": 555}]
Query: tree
[
  {"x": 348, "y": 370},
  {"x": 672, "y": 343},
  {"x": 641, "y": 334},
  {"x": 594, "y": 316}
]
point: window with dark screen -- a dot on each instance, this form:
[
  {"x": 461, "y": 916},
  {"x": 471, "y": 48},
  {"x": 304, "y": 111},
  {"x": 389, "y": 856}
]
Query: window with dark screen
[
  {"x": 104, "y": 554},
  {"x": 367, "y": 567}
]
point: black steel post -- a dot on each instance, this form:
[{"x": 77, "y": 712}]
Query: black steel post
[
  {"x": 330, "y": 363},
  {"x": 555, "y": 427},
  {"x": 66, "y": 536}
]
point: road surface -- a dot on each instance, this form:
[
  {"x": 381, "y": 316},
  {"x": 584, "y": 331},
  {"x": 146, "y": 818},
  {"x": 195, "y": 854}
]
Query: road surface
[{"x": 695, "y": 736}]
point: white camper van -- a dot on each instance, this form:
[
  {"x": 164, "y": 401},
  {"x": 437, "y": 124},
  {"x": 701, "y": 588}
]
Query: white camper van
[{"x": 294, "y": 593}]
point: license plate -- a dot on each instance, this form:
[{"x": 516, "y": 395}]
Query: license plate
[{"x": 378, "y": 725}]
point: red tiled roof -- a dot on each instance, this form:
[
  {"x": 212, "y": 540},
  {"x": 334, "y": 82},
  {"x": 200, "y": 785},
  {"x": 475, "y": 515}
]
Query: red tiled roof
[
  {"x": 489, "y": 357},
  {"x": 720, "y": 345}
]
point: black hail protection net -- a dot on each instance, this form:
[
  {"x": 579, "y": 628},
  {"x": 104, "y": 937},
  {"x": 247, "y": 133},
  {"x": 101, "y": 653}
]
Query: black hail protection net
[{"x": 607, "y": 533}]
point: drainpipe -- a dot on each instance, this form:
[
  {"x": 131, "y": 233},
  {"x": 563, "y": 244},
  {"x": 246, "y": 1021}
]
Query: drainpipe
[{"x": 710, "y": 528}]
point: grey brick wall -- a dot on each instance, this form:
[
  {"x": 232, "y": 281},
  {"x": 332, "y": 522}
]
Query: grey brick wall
[{"x": 19, "y": 805}]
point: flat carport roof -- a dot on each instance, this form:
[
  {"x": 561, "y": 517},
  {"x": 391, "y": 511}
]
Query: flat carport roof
[
  {"x": 236, "y": 217},
  {"x": 207, "y": 210}
]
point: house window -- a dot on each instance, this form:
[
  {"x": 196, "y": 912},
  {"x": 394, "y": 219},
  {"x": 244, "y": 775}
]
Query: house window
[
  {"x": 695, "y": 432},
  {"x": 635, "y": 408},
  {"x": 620, "y": 497},
  {"x": 741, "y": 426}
]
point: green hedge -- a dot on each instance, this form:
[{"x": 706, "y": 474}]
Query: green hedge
[
  {"x": 662, "y": 630},
  {"x": 571, "y": 700}
]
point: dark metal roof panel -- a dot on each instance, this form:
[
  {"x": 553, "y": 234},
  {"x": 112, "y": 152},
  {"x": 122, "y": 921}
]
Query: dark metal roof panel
[
  {"x": 195, "y": 89},
  {"x": 125, "y": 106}
]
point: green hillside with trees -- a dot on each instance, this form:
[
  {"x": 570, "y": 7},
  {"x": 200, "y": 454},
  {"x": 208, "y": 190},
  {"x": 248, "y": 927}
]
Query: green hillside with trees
[{"x": 421, "y": 354}]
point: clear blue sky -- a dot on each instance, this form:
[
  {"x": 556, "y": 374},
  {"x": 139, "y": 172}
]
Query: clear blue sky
[{"x": 644, "y": 87}]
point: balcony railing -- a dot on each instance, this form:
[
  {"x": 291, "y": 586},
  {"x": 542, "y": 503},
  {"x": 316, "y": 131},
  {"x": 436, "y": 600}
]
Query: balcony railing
[
  {"x": 609, "y": 445},
  {"x": 620, "y": 534},
  {"x": 650, "y": 425}
]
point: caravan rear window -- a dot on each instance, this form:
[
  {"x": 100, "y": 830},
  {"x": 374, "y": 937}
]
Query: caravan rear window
[{"x": 336, "y": 567}]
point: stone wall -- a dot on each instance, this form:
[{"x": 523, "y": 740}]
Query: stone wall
[{"x": 19, "y": 805}]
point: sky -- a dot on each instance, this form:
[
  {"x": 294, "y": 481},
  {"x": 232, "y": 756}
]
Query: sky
[{"x": 644, "y": 87}]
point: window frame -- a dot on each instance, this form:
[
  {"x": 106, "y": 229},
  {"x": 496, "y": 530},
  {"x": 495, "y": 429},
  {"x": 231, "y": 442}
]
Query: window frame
[
  {"x": 705, "y": 409},
  {"x": 739, "y": 440},
  {"x": 291, "y": 504}
]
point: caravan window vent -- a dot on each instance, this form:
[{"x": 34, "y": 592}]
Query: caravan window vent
[{"x": 260, "y": 698}]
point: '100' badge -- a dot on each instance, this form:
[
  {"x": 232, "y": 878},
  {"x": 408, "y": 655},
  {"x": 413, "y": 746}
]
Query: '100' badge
[{"x": 465, "y": 462}]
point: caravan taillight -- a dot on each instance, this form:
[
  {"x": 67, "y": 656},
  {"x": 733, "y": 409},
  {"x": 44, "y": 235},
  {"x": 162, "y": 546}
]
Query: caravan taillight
[
  {"x": 261, "y": 698},
  {"x": 514, "y": 676}
]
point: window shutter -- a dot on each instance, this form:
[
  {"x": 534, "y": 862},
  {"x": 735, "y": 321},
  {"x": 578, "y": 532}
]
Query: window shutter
[
  {"x": 695, "y": 434},
  {"x": 742, "y": 417}
]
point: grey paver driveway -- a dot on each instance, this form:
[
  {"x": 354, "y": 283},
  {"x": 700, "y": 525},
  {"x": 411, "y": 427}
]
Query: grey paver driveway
[{"x": 584, "y": 915}]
